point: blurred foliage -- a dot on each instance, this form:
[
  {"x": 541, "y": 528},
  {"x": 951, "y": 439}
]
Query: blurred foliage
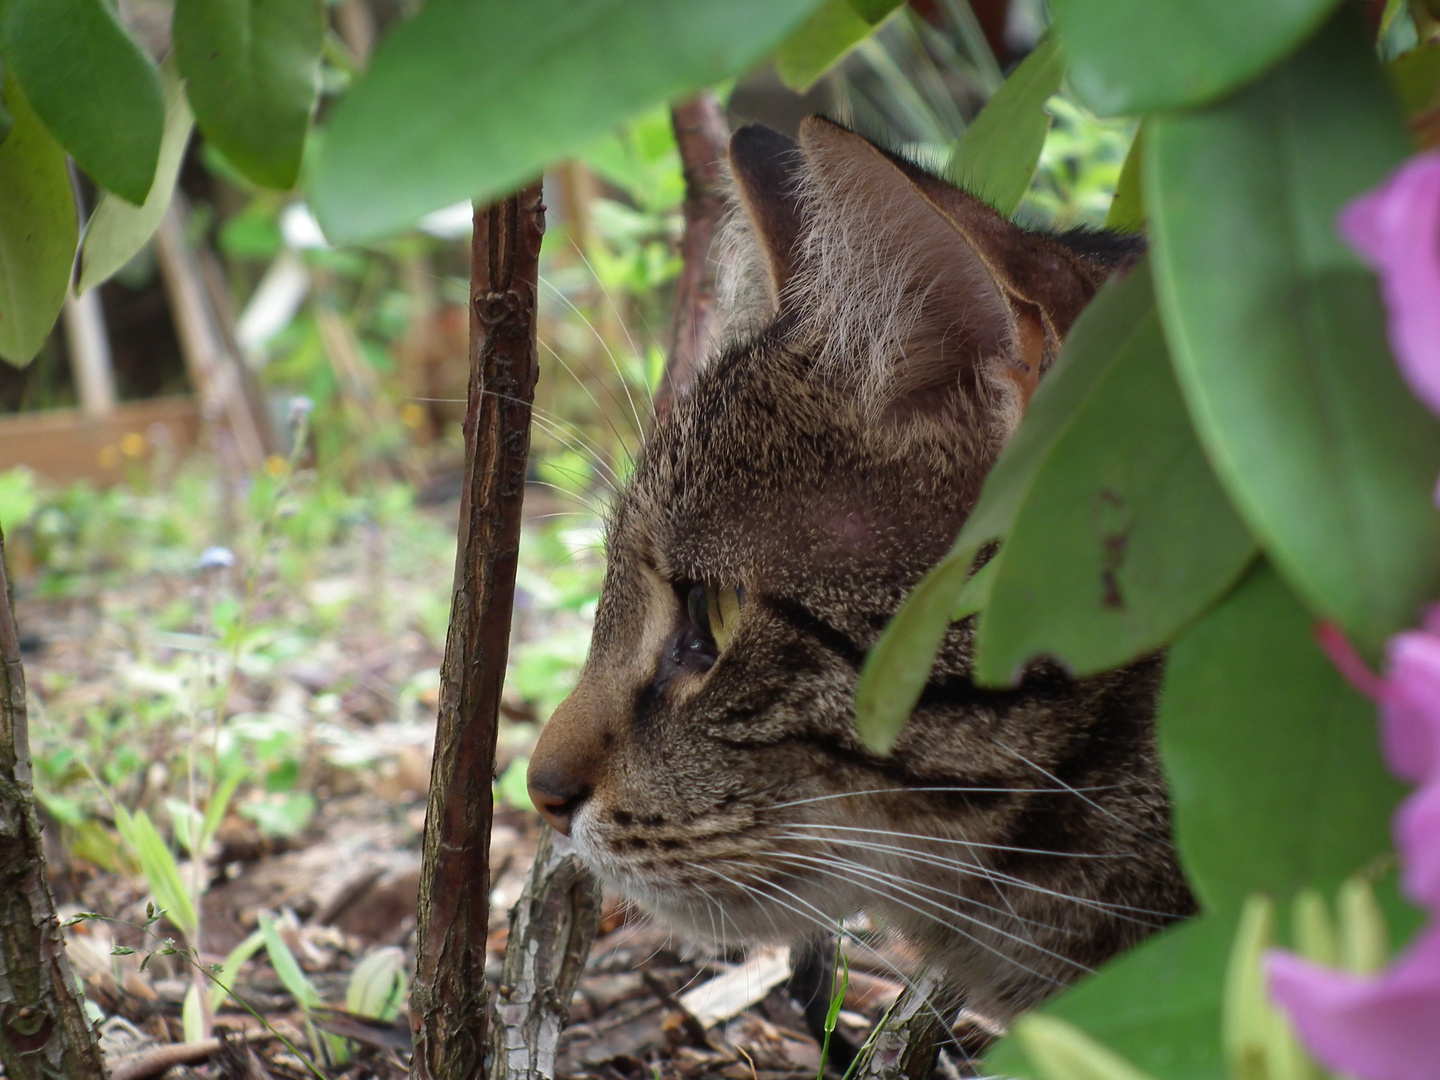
[{"x": 354, "y": 526}]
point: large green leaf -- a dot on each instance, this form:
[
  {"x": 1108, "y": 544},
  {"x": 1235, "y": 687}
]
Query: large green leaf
[
  {"x": 38, "y": 230},
  {"x": 1273, "y": 760},
  {"x": 996, "y": 157},
  {"x": 1127, "y": 206},
  {"x": 1135, "y": 56},
  {"x": 472, "y": 98},
  {"x": 1061, "y": 1051},
  {"x": 1124, "y": 535},
  {"x": 253, "y": 68},
  {"x": 821, "y": 42},
  {"x": 6, "y": 120},
  {"x": 1276, "y": 782},
  {"x": 117, "y": 229},
  {"x": 1157, "y": 1006},
  {"x": 898, "y": 666},
  {"x": 91, "y": 86},
  {"x": 1278, "y": 334},
  {"x": 1168, "y": 574}
]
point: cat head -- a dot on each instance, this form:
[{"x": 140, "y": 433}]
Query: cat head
[{"x": 888, "y": 331}]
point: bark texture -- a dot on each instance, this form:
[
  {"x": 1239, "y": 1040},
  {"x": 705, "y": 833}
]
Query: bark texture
[
  {"x": 449, "y": 1007},
  {"x": 551, "y": 929},
  {"x": 44, "y": 1032},
  {"x": 703, "y": 137},
  {"x": 905, "y": 1043}
]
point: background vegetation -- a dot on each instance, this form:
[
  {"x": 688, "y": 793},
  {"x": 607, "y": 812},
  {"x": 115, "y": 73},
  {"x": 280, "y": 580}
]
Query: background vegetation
[{"x": 1266, "y": 468}]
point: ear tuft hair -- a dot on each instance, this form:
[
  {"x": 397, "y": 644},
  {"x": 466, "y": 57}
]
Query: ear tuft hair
[{"x": 912, "y": 293}]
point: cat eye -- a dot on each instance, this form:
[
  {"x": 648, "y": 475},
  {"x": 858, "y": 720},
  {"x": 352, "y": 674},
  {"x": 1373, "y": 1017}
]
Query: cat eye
[{"x": 714, "y": 610}]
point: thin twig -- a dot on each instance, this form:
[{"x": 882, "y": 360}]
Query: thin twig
[
  {"x": 450, "y": 1010},
  {"x": 904, "y": 1044},
  {"x": 157, "y": 1059}
]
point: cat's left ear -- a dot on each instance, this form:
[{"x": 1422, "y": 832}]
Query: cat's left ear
[
  {"x": 766, "y": 168},
  {"x": 921, "y": 293}
]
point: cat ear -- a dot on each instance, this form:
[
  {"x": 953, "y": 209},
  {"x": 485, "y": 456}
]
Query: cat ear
[
  {"x": 767, "y": 168},
  {"x": 921, "y": 295}
]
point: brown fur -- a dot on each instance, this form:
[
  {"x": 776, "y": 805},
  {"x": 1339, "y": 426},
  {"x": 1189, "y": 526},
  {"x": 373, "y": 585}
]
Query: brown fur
[{"x": 824, "y": 464}]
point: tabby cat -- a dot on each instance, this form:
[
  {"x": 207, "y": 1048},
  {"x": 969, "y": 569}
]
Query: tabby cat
[{"x": 891, "y": 329}]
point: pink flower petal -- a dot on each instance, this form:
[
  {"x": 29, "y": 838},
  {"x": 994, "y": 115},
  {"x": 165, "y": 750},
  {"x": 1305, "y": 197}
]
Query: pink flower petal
[
  {"x": 1385, "y": 1027},
  {"x": 1410, "y": 704},
  {"x": 1417, "y": 835},
  {"x": 1396, "y": 228}
]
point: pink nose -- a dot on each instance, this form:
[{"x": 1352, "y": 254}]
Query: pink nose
[
  {"x": 568, "y": 761},
  {"x": 557, "y": 789}
]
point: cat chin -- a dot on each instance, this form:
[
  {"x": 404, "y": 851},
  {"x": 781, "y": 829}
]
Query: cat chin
[
  {"x": 749, "y": 924},
  {"x": 724, "y": 920}
]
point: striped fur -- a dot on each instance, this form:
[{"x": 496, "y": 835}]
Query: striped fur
[{"x": 1018, "y": 837}]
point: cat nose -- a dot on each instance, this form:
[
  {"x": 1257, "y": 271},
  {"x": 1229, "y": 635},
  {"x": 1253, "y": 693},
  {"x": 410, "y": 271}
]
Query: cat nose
[
  {"x": 557, "y": 789},
  {"x": 568, "y": 761}
]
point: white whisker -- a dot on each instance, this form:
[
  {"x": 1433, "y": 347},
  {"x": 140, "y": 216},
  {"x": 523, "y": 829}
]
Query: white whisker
[
  {"x": 624, "y": 383},
  {"x": 624, "y": 328},
  {"x": 827, "y": 926},
  {"x": 823, "y": 867},
  {"x": 947, "y": 840},
  {"x": 1051, "y": 776},
  {"x": 620, "y": 437},
  {"x": 950, "y": 790},
  {"x": 807, "y": 911},
  {"x": 975, "y": 869},
  {"x": 963, "y": 870}
]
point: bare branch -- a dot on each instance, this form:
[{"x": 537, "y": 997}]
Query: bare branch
[
  {"x": 702, "y": 135},
  {"x": 551, "y": 930},
  {"x": 907, "y": 1039},
  {"x": 449, "y": 1007}
]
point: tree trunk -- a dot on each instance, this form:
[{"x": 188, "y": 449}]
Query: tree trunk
[
  {"x": 449, "y": 1007},
  {"x": 43, "y": 1028}
]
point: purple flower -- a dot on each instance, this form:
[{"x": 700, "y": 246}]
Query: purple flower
[
  {"x": 1381, "y": 1028},
  {"x": 216, "y": 558},
  {"x": 1396, "y": 228},
  {"x": 1410, "y": 731},
  {"x": 1387, "y": 1026}
]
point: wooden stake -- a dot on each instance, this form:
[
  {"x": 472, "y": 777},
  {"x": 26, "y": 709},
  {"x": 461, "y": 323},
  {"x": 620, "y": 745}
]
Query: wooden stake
[
  {"x": 450, "y": 1009},
  {"x": 214, "y": 372}
]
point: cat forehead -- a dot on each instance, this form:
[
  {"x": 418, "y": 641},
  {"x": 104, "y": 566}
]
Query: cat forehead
[
  {"x": 752, "y": 431},
  {"x": 765, "y": 466}
]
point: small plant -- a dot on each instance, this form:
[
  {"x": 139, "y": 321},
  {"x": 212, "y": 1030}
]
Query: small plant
[
  {"x": 376, "y": 989},
  {"x": 837, "y": 1002},
  {"x": 377, "y": 985},
  {"x": 331, "y": 1049}
]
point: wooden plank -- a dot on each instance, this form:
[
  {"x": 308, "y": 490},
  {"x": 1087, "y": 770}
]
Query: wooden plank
[{"x": 65, "y": 444}]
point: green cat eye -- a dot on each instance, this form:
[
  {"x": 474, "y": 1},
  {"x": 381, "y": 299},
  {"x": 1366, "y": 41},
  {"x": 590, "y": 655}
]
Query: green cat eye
[{"x": 714, "y": 610}]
